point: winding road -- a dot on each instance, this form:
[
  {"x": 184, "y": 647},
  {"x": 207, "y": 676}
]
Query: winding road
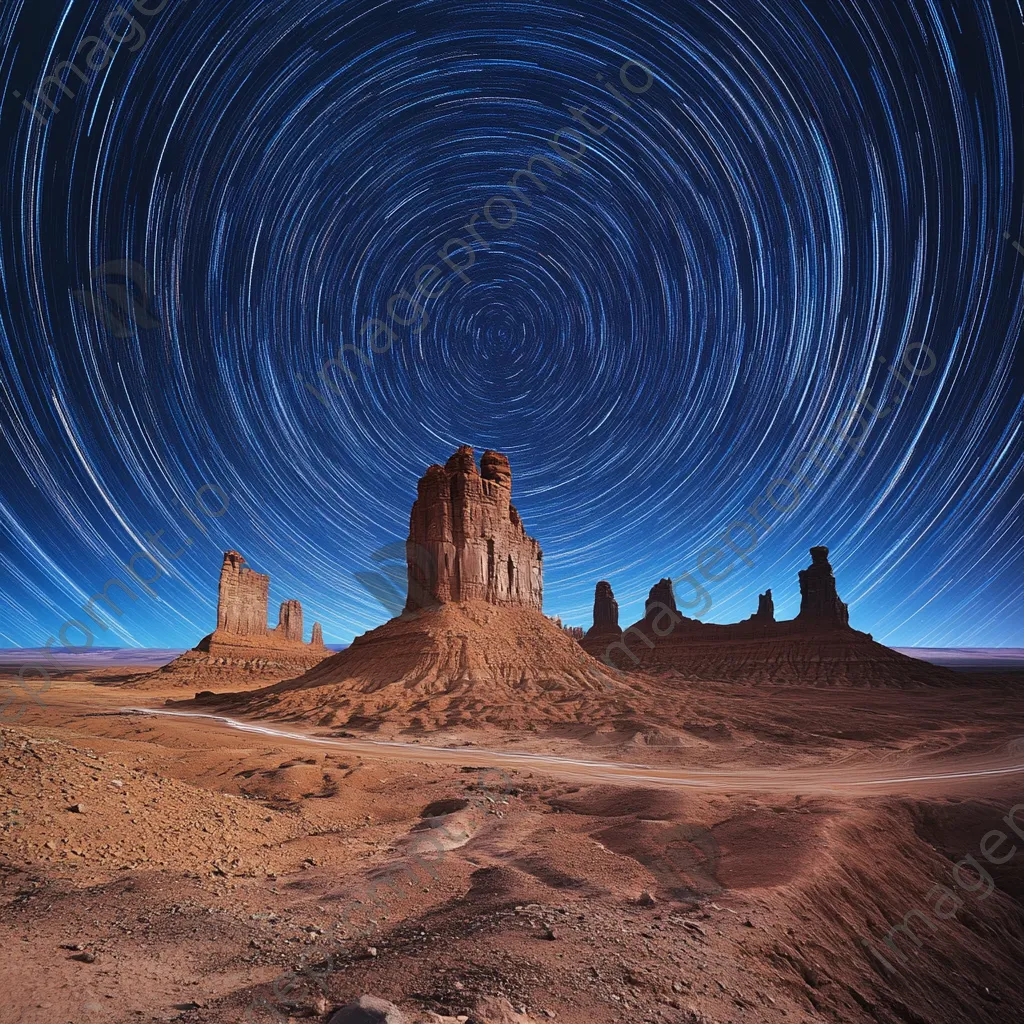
[{"x": 834, "y": 778}]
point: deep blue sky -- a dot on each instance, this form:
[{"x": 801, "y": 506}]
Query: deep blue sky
[{"x": 799, "y": 191}]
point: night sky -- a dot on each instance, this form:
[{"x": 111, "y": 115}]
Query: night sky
[{"x": 757, "y": 213}]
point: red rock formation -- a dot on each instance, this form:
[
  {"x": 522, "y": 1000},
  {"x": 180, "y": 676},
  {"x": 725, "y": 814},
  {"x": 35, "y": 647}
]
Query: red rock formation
[
  {"x": 289, "y": 621},
  {"x": 462, "y": 664},
  {"x": 242, "y": 650},
  {"x": 820, "y": 606},
  {"x": 576, "y": 632},
  {"x": 765, "y": 608},
  {"x": 472, "y": 642},
  {"x": 606, "y": 608},
  {"x": 466, "y": 540},
  {"x": 241, "y": 598},
  {"x": 817, "y": 648},
  {"x": 662, "y": 596},
  {"x": 605, "y": 630}
]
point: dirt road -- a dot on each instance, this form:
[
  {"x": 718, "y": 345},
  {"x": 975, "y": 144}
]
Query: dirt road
[{"x": 839, "y": 778}]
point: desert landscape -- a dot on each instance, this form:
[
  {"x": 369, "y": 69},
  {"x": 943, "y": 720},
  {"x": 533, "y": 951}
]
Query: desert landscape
[
  {"x": 510, "y": 512},
  {"x": 473, "y": 814}
]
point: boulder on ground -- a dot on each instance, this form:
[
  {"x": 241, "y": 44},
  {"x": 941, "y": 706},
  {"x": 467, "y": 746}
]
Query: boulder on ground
[{"x": 369, "y": 1010}]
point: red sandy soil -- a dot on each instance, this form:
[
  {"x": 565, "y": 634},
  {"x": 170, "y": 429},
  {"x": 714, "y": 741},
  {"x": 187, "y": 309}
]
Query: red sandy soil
[
  {"x": 463, "y": 664},
  {"x": 223, "y": 661},
  {"x": 208, "y": 863}
]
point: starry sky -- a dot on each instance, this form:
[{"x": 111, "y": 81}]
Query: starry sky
[{"x": 272, "y": 259}]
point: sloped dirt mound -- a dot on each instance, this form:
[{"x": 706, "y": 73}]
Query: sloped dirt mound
[{"x": 461, "y": 665}]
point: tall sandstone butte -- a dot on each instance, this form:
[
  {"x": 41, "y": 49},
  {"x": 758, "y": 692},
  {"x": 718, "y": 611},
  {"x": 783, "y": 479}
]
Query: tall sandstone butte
[
  {"x": 605, "y": 630},
  {"x": 472, "y": 644},
  {"x": 765, "y": 607},
  {"x": 606, "y": 608},
  {"x": 466, "y": 540},
  {"x": 242, "y": 598},
  {"x": 819, "y": 600},
  {"x": 243, "y": 650},
  {"x": 289, "y": 621},
  {"x": 661, "y": 596}
]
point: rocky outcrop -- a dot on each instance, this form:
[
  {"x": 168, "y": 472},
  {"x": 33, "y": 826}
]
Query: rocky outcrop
[
  {"x": 606, "y": 608},
  {"x": 241, "y": 598},
  {"x": 243, "y": 650},
  {"x": 765, "y": 607},
  {"x": 662, "y": 596},
  {"x": 369, "y": 1010},
  {"x": 465, "y": 664},
  {"x": 817, "y": 648},
  {"x": 472, "y": 644},
  {"x": 820, "y": 606},
  {"x": 576, "y": 632},
  {"x": 289, "y": 621},
  {"x": 605, "y": 630},
  {"x": 466, "y": 540}
]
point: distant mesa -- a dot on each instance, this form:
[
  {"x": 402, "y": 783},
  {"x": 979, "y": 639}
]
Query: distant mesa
[
  {"x": 817, "y": 648},
  {"x": 243, "y": 649},
  {"x": 576, "y": 632},
  {"x": 242, "y": 604},
  {"x": 472, "y": 644}
]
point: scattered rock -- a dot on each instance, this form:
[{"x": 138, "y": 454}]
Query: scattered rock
[{"x": 369, "y": 1010}]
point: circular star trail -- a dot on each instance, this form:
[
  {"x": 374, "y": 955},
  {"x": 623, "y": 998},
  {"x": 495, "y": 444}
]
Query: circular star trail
[{"x": 293, "y": 253}]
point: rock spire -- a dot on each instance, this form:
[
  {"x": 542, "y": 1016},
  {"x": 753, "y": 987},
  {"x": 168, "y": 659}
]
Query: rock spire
[
  {"x": 606, "y": 608},
  {"x": 819, "y": 599},
  {"x": 289, "y": 621},
  {"x": 241, "y": 598}
]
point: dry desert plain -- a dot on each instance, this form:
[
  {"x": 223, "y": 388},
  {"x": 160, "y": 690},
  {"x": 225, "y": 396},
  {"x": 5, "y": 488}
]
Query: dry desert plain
[{"x": 725, "y": 868}]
